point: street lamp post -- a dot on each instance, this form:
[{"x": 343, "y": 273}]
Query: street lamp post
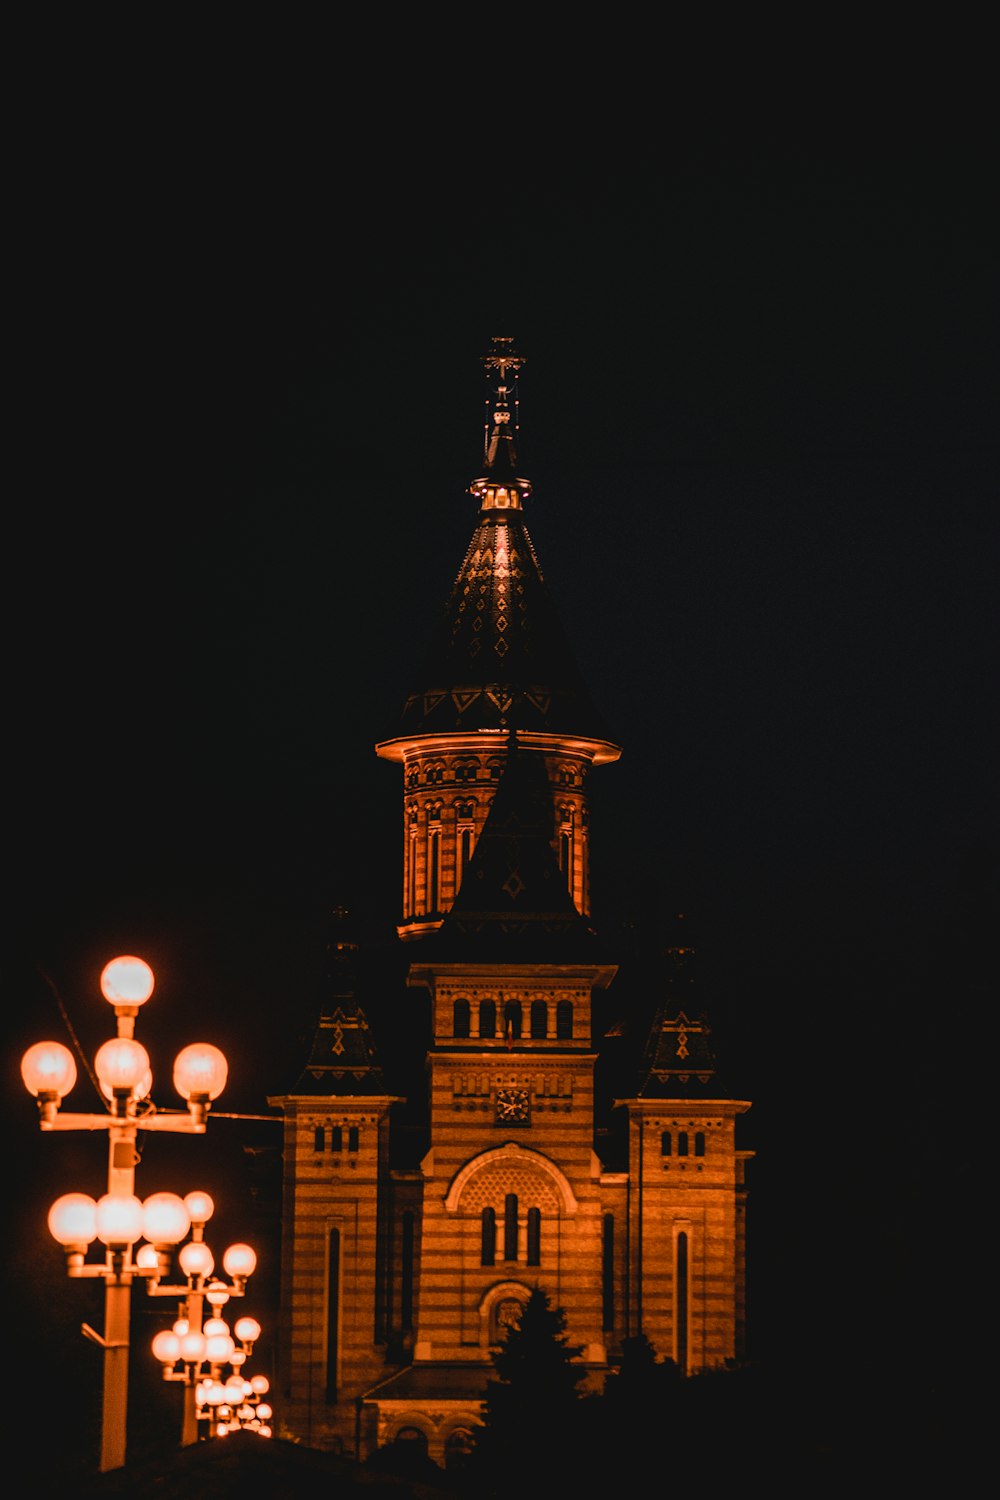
[
  {"x": 196, "y": 1348},
  {"x": 119, "y": 1219}
]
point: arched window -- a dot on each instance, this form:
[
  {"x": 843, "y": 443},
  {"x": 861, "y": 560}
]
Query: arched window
[
  {"x": 539, "y": 1019},
  {"x": 458, "y": 1446},
  {"x": 464, "y": 851},
  {"x": 699, "y": 1143},
  {"x": 510, "y": 1227},
  {"x": 534, "y": 1256},
  {"x": 489, "y": 1251},
  {"x": 319, "y": 1135},
  {"x": 352, "y": 1138},
  {"x": 666, "y": 1144},
  {"x": 564, "y": 1021},
  {"x": 512, "y": 1020},
  {"x": 336, "y": 1138},
  {"x": 682, "y": 1143},
  {"x": 462, "y": 1018},
  {"x": 487, "y": 1018}
]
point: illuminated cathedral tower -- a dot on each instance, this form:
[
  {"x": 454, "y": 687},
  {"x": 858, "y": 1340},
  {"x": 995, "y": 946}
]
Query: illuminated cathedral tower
[
  {"x": 498, "y": 659},
  {"x": 399, "y": 1276}
]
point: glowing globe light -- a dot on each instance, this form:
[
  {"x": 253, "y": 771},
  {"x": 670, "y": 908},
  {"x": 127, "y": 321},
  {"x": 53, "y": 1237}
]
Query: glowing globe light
[
  {"x": 166, "y": 1347},
  {"x": 247, "y": 1330},
  {"x": 200, "y": 1072},
  {"x": 217, "y": 1294},
  {"x": 193, "y": 1348},
  {"x": 147, "y": 1258},
  {"x": 119, "y": 1219},
  {"x": 73, "y": 1220},
  {"x": 127, "y": 981},
  {"x": 142, "y": 1090},
  {"x": 215, "y": 1325},
  {"x": 165, "y": 1219},
  {"x": 48, "y": 1070},
  {"x": 121, "y": 1065},
  {"x": 196, "y": 1259},
  {"x": 200, "y": 1206},
  {"x": 264, "y": 1411},
  {"x": 218, "y": 1348},
  {"x": 259, "y": 1384},
  {"x": 239, "y": 1261}
]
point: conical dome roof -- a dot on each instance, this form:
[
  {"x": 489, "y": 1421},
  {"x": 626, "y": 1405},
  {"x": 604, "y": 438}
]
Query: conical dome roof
[{"x": 498, "y": 657}]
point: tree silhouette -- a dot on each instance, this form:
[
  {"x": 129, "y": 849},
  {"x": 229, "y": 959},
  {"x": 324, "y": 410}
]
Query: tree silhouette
[{"x": 531, "y": 1431}]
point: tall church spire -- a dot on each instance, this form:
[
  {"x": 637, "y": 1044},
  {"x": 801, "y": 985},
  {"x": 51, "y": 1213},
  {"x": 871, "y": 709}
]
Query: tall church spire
[
  {"x": 498, "y": 660},
  {"x": 500, "y": 486}
]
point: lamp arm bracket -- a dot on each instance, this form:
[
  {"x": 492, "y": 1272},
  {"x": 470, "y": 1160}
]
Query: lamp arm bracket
[{"x": 97, "y": 1338}]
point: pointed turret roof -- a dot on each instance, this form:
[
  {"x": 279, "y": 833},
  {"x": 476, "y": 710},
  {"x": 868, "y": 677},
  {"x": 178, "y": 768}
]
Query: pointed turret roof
[
  {"x": 499, "y": 658},
  {"x": 514, "y": 898},
  {"x": 342, "y": 1055},
  {"x": 677, "y": 1061}
]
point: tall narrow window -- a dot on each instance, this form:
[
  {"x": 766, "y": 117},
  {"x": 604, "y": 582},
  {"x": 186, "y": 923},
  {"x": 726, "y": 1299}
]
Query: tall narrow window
[
  {"x": 411, "y": 876},
  {"x": 336, "y": 1138},
  {"x": 433, "y": 869},
  {"x": 682, "y": 1143},
  {"x": 462, "y": 1018},
  {"x": 665, "y": 1143},
  {"x": 332, "y": 1313},
  {"x": 319, "y": 1135},
  {"x": 489, "y": 1251},
  {"x": 699, "y": 1143},
  {"x": 608, "y": 1271},
  {"x": 512, "y": 1020},
  {"x": 539, "y": 1019},
  {"x": 564, "y": 1021},
  {"x": 406, "y": 1270},
  {"x": 534, "y": 1255},
  {"x": 681, "y": 1307},
  {"x": 487, "y": 1018},
  {"x": 510, "y": 1227},
  {"x": 352, "y": 1138}
]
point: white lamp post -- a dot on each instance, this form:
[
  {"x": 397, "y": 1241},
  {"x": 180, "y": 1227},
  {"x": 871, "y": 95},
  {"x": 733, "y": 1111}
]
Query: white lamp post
[
  {"x": 194, "y": 1343},
  {"x": 119, "y": 1219}
]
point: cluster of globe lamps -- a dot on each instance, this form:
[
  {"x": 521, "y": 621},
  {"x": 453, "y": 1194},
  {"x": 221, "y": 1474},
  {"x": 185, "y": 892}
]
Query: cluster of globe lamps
[{"x": 141, "y": 1239}]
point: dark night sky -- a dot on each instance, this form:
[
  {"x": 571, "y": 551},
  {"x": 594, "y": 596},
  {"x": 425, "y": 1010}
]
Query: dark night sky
[{"x": 758, "y": 412}]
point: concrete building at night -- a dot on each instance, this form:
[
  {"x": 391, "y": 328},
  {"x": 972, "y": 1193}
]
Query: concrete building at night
[{"x": 406, "y": 1254}]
